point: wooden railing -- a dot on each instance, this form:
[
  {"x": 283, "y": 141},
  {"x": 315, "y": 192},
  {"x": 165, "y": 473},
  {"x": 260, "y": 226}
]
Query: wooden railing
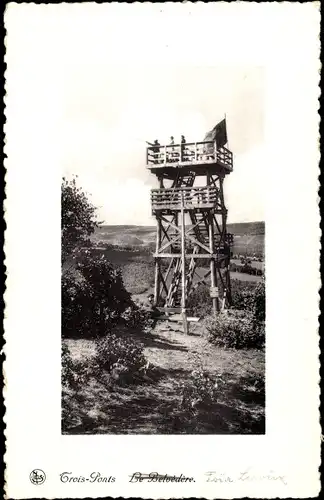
[
  {"x": 192, "y": 152},
  {"x": 188, "y": 196}
]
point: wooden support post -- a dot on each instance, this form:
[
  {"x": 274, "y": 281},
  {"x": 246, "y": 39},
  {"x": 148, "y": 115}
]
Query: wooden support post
[
  {"x": 213, "y": 274},
  {"x": 157, "y": 264},
  {"x": 183, "y": 270},
  {"x": 227, "y": 291}
]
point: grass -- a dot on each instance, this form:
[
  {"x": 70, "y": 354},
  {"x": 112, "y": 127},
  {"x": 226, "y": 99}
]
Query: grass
[{"x": 153, "y": 406}]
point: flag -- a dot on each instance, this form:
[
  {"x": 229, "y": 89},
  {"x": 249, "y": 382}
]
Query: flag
[{"x": 218, "y": 134}]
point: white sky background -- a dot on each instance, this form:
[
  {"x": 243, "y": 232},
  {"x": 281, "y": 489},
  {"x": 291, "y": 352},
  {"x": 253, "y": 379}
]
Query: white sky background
[{"x": 111, "y": 108}]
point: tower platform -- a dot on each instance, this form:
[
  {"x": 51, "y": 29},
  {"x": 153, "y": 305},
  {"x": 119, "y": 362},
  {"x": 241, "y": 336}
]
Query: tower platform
[{"x": 199, "y": 157}]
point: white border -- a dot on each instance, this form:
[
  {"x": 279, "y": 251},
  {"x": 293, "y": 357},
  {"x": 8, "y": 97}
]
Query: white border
[{"x": 282, "y": 37}]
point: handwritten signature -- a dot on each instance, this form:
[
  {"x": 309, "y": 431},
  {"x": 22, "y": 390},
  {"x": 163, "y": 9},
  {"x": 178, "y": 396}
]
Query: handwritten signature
[{"x": 246, "y": 476}]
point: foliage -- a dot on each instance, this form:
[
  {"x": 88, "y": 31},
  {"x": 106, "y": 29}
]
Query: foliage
[
  {"x": 93, "y": 297},
  {"x": 248, "y": 297},
  {"x": 136, "y": 316},
  {"x": 243, "y": 296},
  {"x": 260, "y": 302},
  {"x": 138, "y": 276},
  {"x": 75, "y": 372},
  {"x": 121, "y": 357},
  {"x": 78, "y": 217},
  {"x": 199, "y": 301},
  {"x": 199, "y": 392},
  {"x": 235, "y": 329}
]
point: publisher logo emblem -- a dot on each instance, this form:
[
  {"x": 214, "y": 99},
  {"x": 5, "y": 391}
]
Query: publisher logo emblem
[{"x": 37, "y": 476}]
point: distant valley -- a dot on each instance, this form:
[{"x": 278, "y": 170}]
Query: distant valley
[{"x": 248, "y": 236}]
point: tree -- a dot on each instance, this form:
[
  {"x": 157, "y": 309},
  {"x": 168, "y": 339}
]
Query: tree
[
  {"x": 93, "y": 293},
  {"x": 78, "y": 217},
  {"x": 93, "y": 297}
]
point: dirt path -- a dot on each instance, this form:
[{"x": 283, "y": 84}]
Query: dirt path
[{"x": 181, "y": 350}]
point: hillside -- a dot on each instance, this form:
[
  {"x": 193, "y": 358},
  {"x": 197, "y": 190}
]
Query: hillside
[
  {"x": 248, "y": 236},
  {"x": 251, "y": 228}
]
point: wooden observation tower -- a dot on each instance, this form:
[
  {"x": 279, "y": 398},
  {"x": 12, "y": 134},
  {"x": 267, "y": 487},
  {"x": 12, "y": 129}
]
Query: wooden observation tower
[{"x": 192, "y": 243}]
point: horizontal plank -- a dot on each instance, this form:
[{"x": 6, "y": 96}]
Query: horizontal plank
[
  {"x": 206, "y": 189},
  {"x": 178, "y": 206}
]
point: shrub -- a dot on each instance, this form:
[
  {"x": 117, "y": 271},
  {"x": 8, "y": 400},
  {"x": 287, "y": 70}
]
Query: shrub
[
  {"x": 76, "y": 320},
  {"x": 199, "y": 393},
  {"x": 250, "y": 297},
  {"x": 247, "y": 296},
  {"x": 93, "y": 297},
  {"x": 243, "y": 295},
  {"x": 122, "y": 357},
  {"x": 235, "y": 329},
  {"x": 137, "y": 317},
  {"x": 259, "y": 302},
  {"x": 75, "y": 372},
  {"x": 199, "y": 301}
]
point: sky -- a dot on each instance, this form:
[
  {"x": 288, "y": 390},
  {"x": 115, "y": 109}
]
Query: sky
[
  {"x": 111, "y": 78},
  {"x": 92, "y": 83},
  {"x": 111, "y": 110}
]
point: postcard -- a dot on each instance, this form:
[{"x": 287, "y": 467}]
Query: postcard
[{"x": 162, "y": 250}]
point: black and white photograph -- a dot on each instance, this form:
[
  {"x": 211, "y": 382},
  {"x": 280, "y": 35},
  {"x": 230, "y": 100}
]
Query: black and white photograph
[
  {"x": 162, "y": 250},
  {"x": 163, "y": 259}
]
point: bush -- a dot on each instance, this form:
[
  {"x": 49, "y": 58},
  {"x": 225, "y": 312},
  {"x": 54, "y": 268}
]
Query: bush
[
  {"x": 122, "y": 357},
  {"x": 199, "y": 301},
  {"x": 137, "y": 317},
  {"x": 247, "y": 296},
  {"x": 235, "y": 329},
  {"x": 93, "y": 298},
  {"x": 260, "y": 302},
  {"x": 75, "y": 372},
  {"x": 243, "y": 295},
  {"x": 250, "y": 297},
  {"x": 75, "y": 318},
  {"x": 199, "y": 393}
]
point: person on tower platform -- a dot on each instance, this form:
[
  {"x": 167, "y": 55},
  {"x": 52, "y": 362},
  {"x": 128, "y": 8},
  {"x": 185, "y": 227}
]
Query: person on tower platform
[
  {"x": 171, "y": 157},
  {"x": 183, "y": 142},
  {"x": 156, "y": 151}
]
